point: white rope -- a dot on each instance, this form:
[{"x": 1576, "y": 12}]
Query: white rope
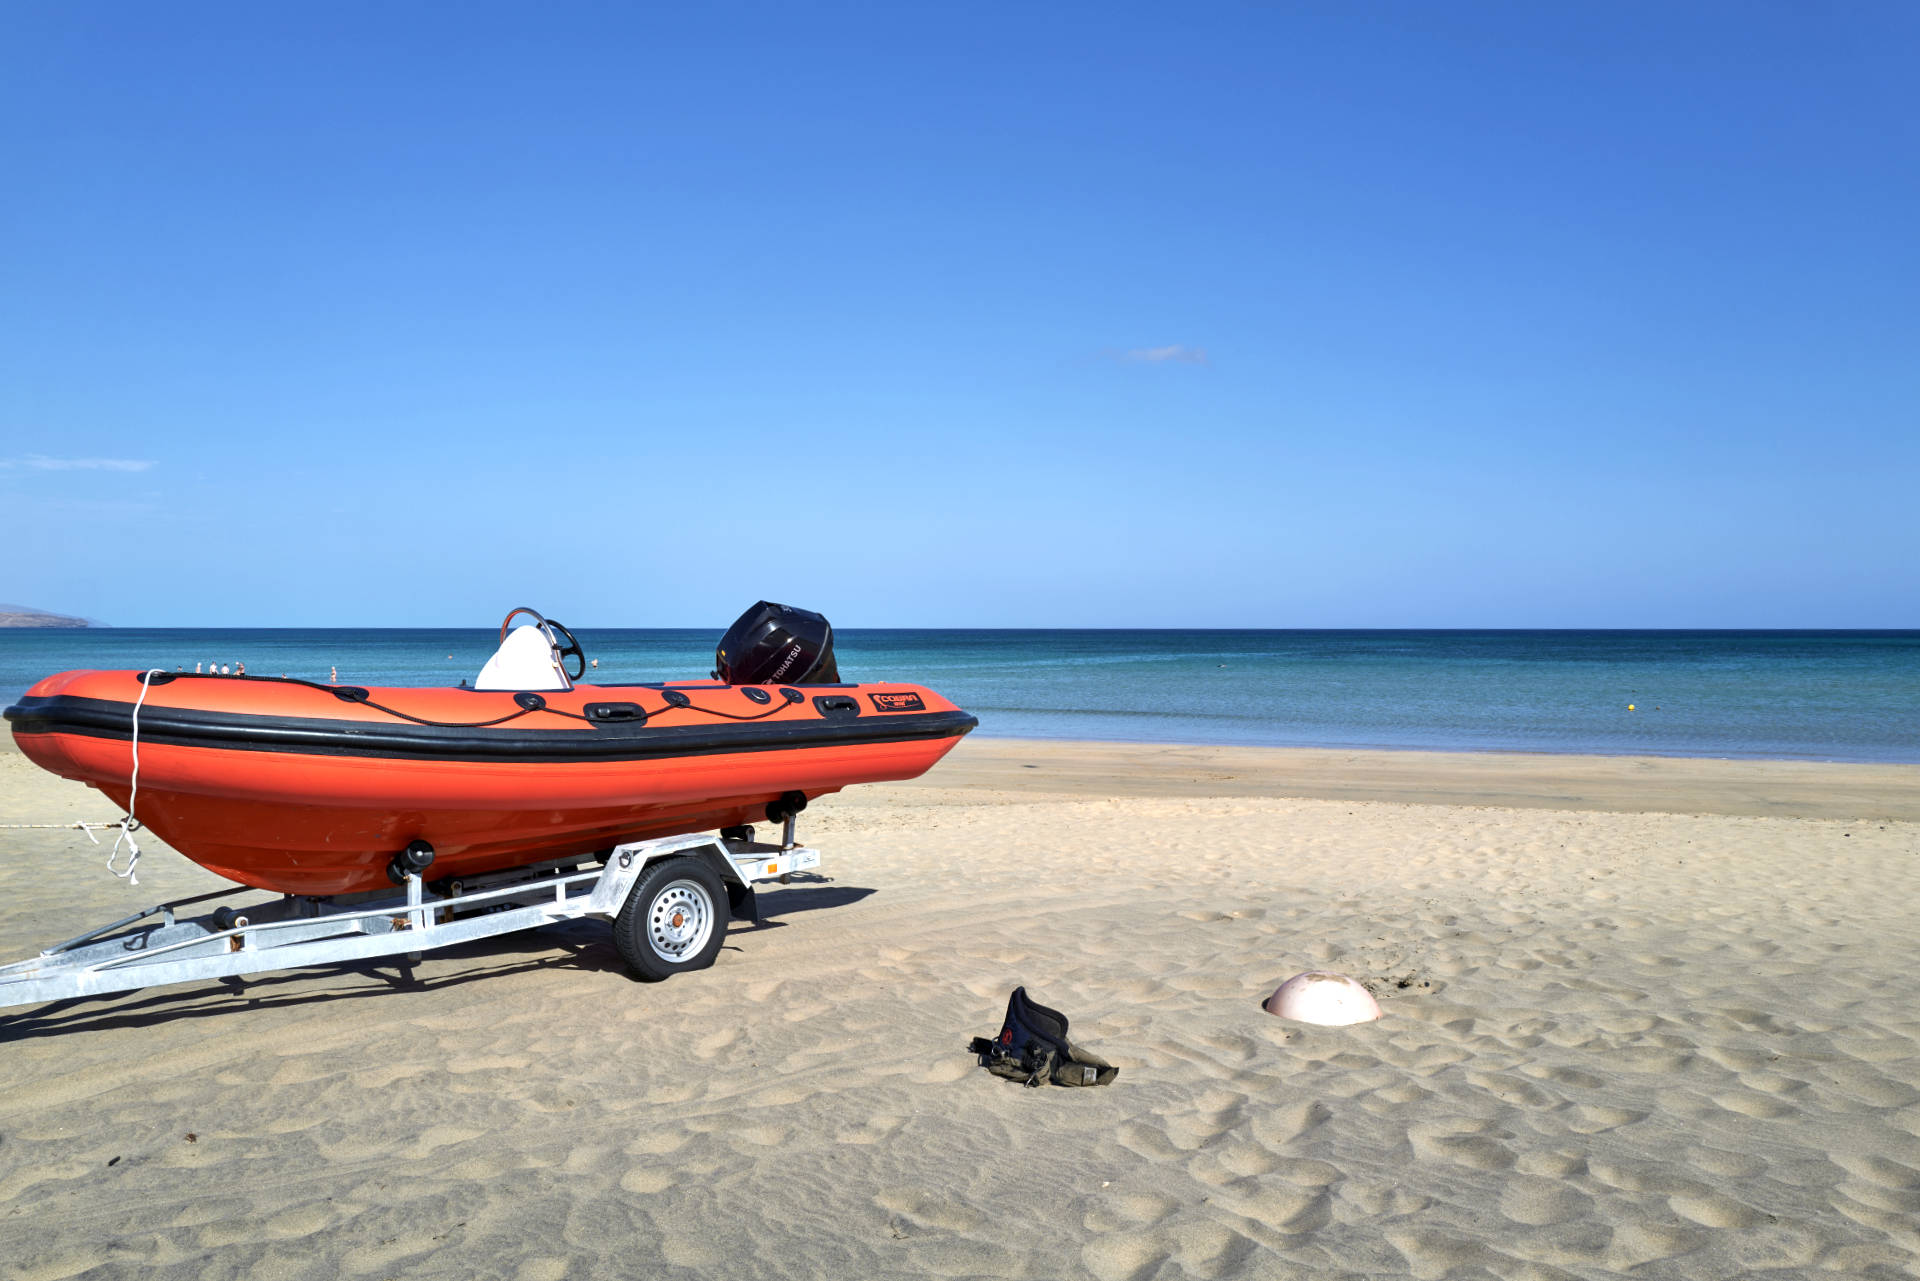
[
  {"x": 88, "y": 828},
  {"x": 128, "y": 823}
]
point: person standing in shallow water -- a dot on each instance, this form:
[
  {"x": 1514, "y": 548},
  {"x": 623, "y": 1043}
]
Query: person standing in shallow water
[{"x": 333, "y": 674}]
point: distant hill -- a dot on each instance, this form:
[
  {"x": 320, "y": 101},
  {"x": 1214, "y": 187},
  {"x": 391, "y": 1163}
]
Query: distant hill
[{"x": 27, "y": 616}]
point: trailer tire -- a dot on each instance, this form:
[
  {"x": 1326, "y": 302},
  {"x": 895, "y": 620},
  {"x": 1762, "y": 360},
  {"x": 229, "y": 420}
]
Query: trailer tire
[{"x": 674, "y": 920}]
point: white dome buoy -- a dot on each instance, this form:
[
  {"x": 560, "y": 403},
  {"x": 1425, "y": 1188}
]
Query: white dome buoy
[{"x": 1331, "y": 1000}]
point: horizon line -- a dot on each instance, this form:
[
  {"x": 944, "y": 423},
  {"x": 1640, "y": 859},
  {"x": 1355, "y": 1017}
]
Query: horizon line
[{"x": 93, "y": 626}]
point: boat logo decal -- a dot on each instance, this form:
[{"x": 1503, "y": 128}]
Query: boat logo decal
[{"x": 897, "y": 703}]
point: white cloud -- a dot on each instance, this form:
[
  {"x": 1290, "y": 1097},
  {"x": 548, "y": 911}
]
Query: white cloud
[
  {"x": 40, "y": 462},
  {"x": 1177, "y": 354}
]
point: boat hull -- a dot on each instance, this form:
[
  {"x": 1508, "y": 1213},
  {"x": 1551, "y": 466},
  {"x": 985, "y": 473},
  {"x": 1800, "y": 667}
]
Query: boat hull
[{"x": 294, "y": 788}]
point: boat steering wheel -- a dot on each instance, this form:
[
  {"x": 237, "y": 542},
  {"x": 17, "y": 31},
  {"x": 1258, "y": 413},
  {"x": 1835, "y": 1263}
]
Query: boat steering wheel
[
  {"x": 572, "y": 647},
  {"x": 563, "y": 652}
]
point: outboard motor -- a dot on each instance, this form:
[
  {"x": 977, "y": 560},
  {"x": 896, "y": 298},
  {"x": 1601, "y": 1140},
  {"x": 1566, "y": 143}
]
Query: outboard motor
[{"x": 777, "y": 645}]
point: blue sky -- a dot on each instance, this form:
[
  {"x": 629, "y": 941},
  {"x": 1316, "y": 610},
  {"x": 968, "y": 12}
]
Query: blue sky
[{"x": 1208, "y": 315}]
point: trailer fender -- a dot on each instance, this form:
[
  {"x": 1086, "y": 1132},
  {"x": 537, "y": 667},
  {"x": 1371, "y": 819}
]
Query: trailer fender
[{"x": 627, "y": 863}]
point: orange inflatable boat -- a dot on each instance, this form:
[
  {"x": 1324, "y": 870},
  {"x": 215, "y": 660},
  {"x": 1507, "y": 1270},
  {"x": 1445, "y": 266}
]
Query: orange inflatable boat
[{"x": 310, "y": 788}]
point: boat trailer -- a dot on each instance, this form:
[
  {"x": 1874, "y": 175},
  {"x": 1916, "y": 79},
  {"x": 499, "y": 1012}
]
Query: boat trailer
[{"x": 669, "y": 900}]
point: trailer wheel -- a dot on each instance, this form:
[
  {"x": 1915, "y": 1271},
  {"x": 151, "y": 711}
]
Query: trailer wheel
[{"x": 674, "y": 920}]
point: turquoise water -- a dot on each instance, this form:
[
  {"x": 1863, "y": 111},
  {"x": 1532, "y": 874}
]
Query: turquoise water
[{"x": 1818, "y": 695}]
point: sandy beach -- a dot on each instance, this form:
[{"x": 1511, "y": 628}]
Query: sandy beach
[{"x": 1647, "y": 1016}]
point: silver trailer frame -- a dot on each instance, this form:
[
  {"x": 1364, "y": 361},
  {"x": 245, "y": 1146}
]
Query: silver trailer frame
[{"x": 157, "y": 946}]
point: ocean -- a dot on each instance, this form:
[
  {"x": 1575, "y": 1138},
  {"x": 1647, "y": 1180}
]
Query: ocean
[{"x": 1851, "y": 696}]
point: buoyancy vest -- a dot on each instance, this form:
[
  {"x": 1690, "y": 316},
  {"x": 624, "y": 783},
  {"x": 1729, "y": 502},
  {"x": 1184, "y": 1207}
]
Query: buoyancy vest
[{"x": 1033, "y": 1047}]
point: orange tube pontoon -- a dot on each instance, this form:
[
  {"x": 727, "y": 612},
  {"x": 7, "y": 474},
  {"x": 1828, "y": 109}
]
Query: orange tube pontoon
[{"x": 309, "y": 788}]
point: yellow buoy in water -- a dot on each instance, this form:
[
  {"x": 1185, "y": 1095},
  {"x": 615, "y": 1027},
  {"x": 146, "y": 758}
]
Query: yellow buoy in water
[{"x": 1629, "y": 706}]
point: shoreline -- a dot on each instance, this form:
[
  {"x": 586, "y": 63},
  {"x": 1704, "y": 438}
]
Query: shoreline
[
  {"x": 1084, "y": 769},
  {"x": 1569, "y": 781},
  {"x": 1437, "y": 750}
]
